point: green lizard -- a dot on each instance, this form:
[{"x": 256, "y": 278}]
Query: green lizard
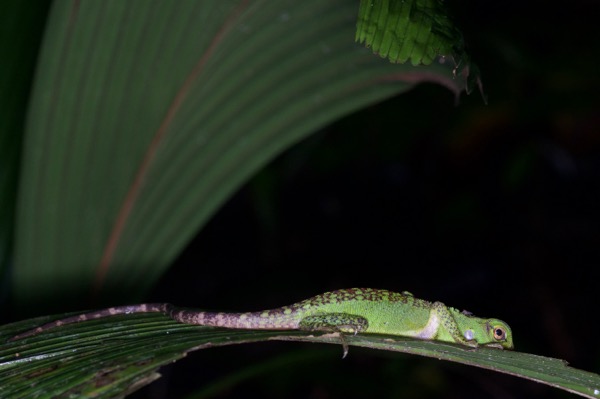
[{"x": 346, "y": 311}]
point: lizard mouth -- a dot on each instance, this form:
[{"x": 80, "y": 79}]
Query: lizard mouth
[{"x": 494, "y": 345}]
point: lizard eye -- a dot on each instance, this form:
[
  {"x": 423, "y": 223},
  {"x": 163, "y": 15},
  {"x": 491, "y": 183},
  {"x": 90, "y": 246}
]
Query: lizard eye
[{"x": 499, "y": 333}]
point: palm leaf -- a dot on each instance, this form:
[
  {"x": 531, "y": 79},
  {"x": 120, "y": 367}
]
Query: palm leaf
[
  {"x": 21, "y": 24},
  {"x": 146, "y": 116},
  {"x": 110, "y": 357}
]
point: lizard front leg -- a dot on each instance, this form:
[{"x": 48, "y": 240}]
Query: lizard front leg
[{"x": 448, "y": 323}]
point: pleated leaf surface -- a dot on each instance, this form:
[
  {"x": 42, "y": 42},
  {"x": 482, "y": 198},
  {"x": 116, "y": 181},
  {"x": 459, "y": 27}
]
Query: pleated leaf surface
[
  {"x": 147, "y": 115},
  {"x": 113, "y": 356}
]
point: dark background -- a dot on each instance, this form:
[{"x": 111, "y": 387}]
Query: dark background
[{"x": 492, "y": 208}]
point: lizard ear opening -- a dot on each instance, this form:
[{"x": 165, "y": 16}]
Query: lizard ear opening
[{"x": 469, "y": 335}]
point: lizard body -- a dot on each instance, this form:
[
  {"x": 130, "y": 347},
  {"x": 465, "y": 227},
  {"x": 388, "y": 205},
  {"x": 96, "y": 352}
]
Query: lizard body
[{"x": 346, "y": 311}]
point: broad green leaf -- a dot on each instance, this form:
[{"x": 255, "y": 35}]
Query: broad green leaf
[
  {"x": 146, "y": 116},
  {"x": 21, "y": 28},
  {"x": 109, "y": 357}
]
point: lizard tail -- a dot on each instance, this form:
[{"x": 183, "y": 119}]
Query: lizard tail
[{"x": 248, "y": 320}]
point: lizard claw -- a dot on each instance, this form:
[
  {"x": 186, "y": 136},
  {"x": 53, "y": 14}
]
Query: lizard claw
[{"x": 345, "y": 347}]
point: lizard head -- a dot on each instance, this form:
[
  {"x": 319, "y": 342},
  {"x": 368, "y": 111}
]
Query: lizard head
[{"x": 498, "y": 334}]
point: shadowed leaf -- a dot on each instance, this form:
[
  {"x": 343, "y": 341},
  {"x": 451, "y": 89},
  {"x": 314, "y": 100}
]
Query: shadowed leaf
[
  {"x": 21, "y": 27},
  {"x": 147, "y": 116},
  {"x": 107, "y": 357}
]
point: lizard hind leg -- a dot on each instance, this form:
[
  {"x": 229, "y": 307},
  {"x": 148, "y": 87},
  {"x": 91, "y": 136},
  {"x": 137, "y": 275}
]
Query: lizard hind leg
[{"x": 341, "y": 323}]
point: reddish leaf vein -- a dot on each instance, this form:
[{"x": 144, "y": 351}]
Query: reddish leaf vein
[{"x": 138, "y": 181}]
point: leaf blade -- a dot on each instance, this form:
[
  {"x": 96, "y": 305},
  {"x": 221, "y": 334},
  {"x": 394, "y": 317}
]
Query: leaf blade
[
  {"x": 131, "y": 347},
  {"x": 131, "y": 147}
]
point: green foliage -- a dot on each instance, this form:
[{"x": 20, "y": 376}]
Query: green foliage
[
  {"x": 143, "y": 119},
  {"x": 416, "y": 31},
  {"x": 21, "y": 27},
  {"x": 146, "y": 117},
  {"x": 123, "y": 353}
]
